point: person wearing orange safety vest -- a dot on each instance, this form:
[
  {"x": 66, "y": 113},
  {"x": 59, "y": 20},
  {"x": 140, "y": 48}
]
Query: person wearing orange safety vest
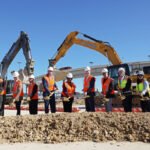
[
  {"x": 89, "y": 90},
  {"x": 49, "y": 87},
  {"x": 107, "y": 89},
  {"x": 124, "y": 85},
  {"x": 2, "y": 96},
  {"x": 143, "y": 88},
  {"x": 32, "y": 96},
  {"x": 68, "y": 92},
  {"x": 17, "y": 92}
]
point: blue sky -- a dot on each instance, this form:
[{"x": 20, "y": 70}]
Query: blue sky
[{"x": 124, "y": 24}]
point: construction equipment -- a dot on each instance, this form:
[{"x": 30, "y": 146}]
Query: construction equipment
[
  {"x": 103, "y": 48},
  {"x": 22, "y": 42}
]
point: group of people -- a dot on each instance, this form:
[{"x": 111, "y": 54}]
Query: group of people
[
  {"x": 49, "y": 88},
  {"x": 124, "y": 87}
]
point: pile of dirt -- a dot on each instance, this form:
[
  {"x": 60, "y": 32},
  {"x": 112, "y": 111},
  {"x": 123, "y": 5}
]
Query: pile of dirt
[{"x": 71, "y": 127}]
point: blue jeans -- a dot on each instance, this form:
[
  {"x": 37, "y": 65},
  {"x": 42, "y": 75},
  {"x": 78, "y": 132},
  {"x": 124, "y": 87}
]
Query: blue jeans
[{"x": 52, "y": 104}]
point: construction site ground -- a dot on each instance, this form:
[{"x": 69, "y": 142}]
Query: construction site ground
[{"x": 78, "y": 130}]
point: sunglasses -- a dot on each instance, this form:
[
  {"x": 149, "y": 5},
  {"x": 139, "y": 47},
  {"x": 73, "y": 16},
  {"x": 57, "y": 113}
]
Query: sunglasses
[{"x": 140, "y": 75}]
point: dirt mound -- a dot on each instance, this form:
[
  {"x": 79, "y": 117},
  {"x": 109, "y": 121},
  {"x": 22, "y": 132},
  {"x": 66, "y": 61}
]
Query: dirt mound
[{"x": 65, "y": 127}]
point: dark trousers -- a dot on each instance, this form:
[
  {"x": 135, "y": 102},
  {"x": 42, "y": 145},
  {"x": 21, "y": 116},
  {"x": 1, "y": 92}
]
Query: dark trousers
[
  {"x": 90, "y": 103},
  {"x": 145, "y": 105},
  {"x": 68, "y": 105},
  {"x": 2, "y": 99},
  {"x": 33, "y": 106},
  {"x": 52, "y": 104},
  {"x": 18, "y": 105},
  {"x": 127, "y": 103}
]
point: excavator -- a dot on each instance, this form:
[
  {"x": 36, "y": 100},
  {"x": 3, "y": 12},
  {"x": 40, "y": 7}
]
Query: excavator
[
  {"x": 22, "y": 42},
  {"x": 103, "y": 48}
]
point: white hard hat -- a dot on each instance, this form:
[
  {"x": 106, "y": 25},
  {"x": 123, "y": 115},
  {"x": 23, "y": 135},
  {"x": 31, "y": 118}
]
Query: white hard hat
[
  {"x": 140, "y": 73},
  {"x": 69, "y": 75},
  {"x": 50, "y": 69},
  {"x": 104, "y": 70},
  {"x": 15, "y": 74},
  {"x": 31, "y": 77},
  {"x": 87, "y": 68},
  {"x": 121, "y": 69}
]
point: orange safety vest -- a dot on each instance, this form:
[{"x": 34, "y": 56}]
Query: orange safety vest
[
  {"x": 86, "y": 85},
  {"x": 30, "y": 89},
  {"x": 70, "y": 89},
  {"x": 16, "y": 88},
  {"x": 105, "y": 85},
  {"x": 50, "y": 82}
]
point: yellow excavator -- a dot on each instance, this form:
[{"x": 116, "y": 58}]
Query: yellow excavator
[{"x": 103, "y": 48}]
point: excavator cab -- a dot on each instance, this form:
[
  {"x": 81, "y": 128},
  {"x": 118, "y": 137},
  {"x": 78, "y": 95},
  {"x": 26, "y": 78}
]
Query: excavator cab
[
  {"x": 146, "y": 70},
  {"x": 113, "y": 72}
]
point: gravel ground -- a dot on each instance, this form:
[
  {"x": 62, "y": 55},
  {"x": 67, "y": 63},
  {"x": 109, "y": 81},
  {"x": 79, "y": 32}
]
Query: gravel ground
[{"x": 75, "y": 127}]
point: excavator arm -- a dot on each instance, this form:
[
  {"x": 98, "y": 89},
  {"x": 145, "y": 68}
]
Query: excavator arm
[
  {"x": 22, "y": 42},
  {"x": 102, "y": 47}
]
